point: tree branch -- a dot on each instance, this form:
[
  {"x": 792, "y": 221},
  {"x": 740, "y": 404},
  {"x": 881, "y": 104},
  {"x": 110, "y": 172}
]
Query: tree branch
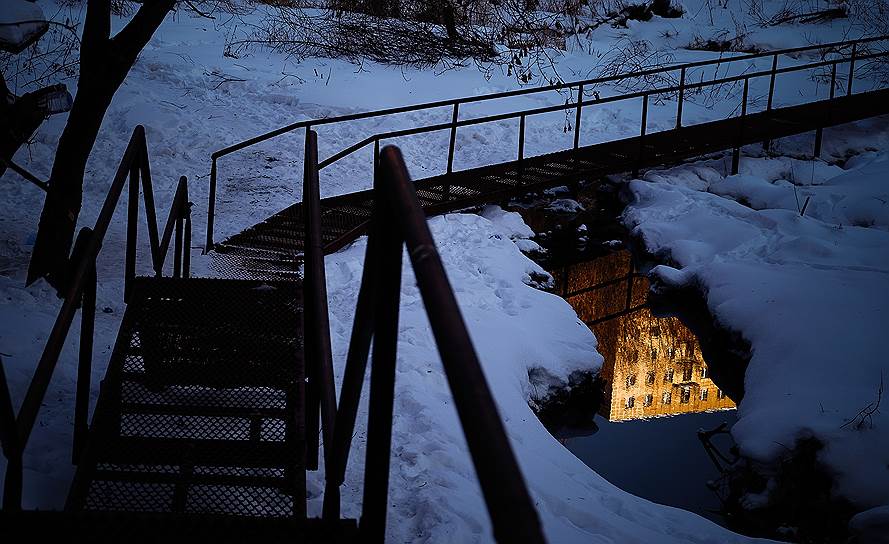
[{"x": 130, "y": 41}]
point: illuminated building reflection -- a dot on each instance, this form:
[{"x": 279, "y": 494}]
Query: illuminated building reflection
[{"x": 653, "y": 365}]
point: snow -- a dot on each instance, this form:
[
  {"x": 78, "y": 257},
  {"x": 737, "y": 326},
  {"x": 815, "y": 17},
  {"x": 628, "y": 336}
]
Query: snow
[
  {"x": 193, "y": 100},
  {"x": 514, "y": 328},
  {"x": 20, "y": 23},
  {"x": 808, "y": 292}
]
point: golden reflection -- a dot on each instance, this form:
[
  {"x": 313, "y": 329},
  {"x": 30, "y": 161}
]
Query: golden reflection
[{"x": 653, "y": 366}]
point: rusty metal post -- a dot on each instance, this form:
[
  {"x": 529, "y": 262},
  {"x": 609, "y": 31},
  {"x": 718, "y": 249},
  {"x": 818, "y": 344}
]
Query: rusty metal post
[
  {"x": 512, "y": 511},
  {"x": 157, "y": 259},
  {"x": 186, "y": 261},
  {"x": 453, "y": 142},
  {"x": 680, "y": 99},
  {"x": 736, "y": 152},
  {"x": 577, "y": 117},
  {"x": 382, "y": 378},
  {"x": 819, "y": 132},
  {"x": 177, "y": 249},
  {"x": 767, "y": 144},
  {"x": 85, "y": 363},
  {"x": 522, "y": 138},
  {"x": 211, "y": 207},
  {"x": 12, "y": 447},
  {"x": 641, "y": 154},
  {"x": 132, "y": 231}
]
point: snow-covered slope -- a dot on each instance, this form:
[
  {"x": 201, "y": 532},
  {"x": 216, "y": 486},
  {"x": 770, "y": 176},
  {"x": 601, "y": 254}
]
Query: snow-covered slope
[
  {"x": 193, "y": 100},
  {"x": 809, "y": 293}
]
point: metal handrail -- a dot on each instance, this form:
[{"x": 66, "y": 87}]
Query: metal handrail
[
  {"x": 80, "y": 291},
  {"x": 399, "y": 220},
  {"x": 25, "y": 174},
  {"x": 318, "y": 354},
  {"x": 578, "y": 104}
]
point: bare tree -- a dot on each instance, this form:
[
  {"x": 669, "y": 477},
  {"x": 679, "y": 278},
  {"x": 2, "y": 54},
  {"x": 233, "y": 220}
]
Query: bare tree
[{"x": 105, "y": 61}]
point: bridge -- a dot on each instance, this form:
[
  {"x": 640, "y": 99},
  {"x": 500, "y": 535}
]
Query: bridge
[{"x": 219, "y": 392}]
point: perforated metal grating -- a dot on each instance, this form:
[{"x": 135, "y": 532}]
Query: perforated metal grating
[{"x": 200, "y": 411}]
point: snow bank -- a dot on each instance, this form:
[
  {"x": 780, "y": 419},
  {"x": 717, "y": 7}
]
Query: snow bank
[
  {"x": 809, "y": 293},
  {"x": 434, "y": 495}
]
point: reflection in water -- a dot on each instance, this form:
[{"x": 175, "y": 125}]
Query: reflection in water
[{"x": 653, "y": 365}]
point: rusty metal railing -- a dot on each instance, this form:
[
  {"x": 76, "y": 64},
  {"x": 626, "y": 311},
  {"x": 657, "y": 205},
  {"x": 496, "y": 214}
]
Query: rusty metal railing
[
  {"x": 80, "y": 292},
  {"x": 848, "y": 52},
  {"x": 399, "y": 220}
]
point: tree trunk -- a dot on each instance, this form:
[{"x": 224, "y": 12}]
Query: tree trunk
[
  {"x": 104, "y": 64},
  {"x": 65, "y": 197}
]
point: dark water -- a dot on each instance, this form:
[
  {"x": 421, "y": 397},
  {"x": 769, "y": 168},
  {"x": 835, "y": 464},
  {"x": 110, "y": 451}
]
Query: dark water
[{"x": 657, "y": 389}]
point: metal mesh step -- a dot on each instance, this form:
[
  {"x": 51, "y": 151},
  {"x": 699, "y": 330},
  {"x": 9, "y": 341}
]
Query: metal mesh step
[{"x": 201, "y": 409}]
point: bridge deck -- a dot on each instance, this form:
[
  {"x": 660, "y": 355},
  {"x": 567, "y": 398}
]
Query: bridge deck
[{"x": 344, "y": 218}]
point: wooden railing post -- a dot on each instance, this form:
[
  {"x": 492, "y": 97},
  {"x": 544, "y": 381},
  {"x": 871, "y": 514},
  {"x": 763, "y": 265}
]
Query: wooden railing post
[{"x": 852, "y": 68}]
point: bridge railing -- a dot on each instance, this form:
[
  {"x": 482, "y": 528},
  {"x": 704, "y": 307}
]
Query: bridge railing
[
  {"x": 80, "y": 293},
  {"x": 398, "y": 220},
  {"x": 851, "y": 52}
]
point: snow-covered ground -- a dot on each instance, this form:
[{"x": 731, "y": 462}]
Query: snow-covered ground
[
  {"x": 193, "y": 100},
  {"x": 809, "y": 292}
]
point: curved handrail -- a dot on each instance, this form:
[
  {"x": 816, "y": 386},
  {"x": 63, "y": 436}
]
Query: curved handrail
[
  {"x": 78, "y": 287},
  {"x": 578, "y": 104}
]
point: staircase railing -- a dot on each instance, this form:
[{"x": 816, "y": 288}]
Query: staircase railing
[
  {"x": 80, "y": 292},
  {"x": 399, "y": 220},
  {"x": 850, "y": 52}
]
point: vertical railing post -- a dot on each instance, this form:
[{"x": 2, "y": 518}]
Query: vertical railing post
[
  {"x": 12, "y": 449},
  {"x": 132, "y": 231},
  {"x": 819, "y": 132},
  {"x": 852, "y": 68},
  {"x": 768, "y": 143},
  {"x": 211, "y": 207},
  {"x": 681, "y": 98},
  {"x": 641, "y": 154},
  {"x": 178, "y": 247},
  {"x": 382, "y": 378},
  {"x": 85, "y": 362},
  {"x": 150, "y": 210},
  {"x": 577, "y": 117},
  {"x": 186, "y": 260},
  {"x": 453, "y": 140},
  {"x": 522, "y": 138},
  {"x": 313, "y": 393},
  {"x": 736, "y": 152}
]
